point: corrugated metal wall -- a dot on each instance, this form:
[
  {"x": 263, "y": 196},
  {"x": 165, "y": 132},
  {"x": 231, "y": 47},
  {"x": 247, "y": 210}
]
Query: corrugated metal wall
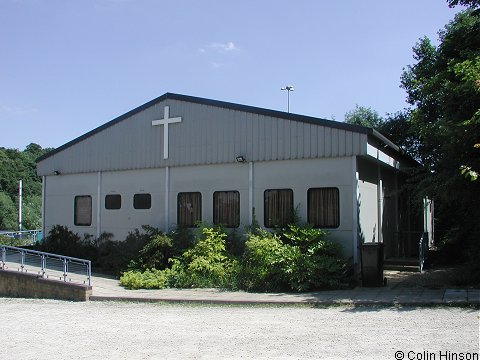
[{"x": 206, "y": 135}]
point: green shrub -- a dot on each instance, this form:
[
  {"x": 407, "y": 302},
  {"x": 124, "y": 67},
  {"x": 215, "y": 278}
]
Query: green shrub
[
  {"x": 235, "y": 243},
  {"x": 147, "y": 279},
  {"x": 300, "y": 258},
  {"x": 262, "y": 265},
  {"x": 182, "y": 239},
  {"x": 107, "y": 256},
  {"x": 155, "y": 253},
  {"x": 61, "y": 240},
  {"x": 206, "y": 264}
]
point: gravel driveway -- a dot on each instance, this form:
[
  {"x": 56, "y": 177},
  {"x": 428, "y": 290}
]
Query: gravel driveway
[{"x": 48, "y": 329}]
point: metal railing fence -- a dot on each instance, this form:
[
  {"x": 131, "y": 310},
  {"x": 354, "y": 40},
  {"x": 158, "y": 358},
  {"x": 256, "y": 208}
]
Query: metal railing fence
[{"x": 46, "y": 265}]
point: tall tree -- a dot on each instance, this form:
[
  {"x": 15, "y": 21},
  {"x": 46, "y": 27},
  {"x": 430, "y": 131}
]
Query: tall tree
[
  {"x": 443, "y": 86},
  {"x": 398, "y": 128}
]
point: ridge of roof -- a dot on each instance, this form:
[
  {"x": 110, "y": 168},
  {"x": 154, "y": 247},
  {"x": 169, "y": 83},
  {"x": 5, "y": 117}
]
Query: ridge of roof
[{"x": 225, "y": 105}]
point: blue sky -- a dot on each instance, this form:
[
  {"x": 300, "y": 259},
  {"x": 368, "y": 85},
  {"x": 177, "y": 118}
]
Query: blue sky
[{"x": 68, "y": 66}]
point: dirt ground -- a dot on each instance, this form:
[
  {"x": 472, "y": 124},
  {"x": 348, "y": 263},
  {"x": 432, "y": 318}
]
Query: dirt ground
[
  {"x": 433, "y": 278},
  {"x": 48, "y": 329}
]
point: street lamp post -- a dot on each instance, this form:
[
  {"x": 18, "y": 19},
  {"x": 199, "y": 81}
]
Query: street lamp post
[{"x": 288, "y": 88}]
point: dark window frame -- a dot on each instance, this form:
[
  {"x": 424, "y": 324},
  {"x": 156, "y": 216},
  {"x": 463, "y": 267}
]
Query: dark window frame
[
  {"x": 138, "y": 201},
  {"x": 77, "y": 213},
  {"x": 288, "y": 218},
  {"x": 334, "y": 223},
  {"x": 113, "y": 202},
  {"x": 236, "y": 216},
  {"x": 196, "y": 217}
]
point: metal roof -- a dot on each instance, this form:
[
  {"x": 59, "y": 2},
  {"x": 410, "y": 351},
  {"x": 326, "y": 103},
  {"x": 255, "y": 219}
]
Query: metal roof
[{"x": 231, "y": 106}]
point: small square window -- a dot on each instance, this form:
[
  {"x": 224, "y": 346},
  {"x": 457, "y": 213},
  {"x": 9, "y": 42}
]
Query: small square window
[
  {"x": 113, "y": 202},
  {"x": 142, "y": 201}
]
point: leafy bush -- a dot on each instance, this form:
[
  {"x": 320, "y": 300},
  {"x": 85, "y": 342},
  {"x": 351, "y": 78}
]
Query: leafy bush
[
  {"x": 298, "y": 259},
  {"x": 61, "y": 240},
  {"x": 155, "y": 253},
  {"x": 207, "y": 264},
  {"x": 314, "y": 262},
  {"x": 147, "y": 279},
  {"x": 107, "y": 256},
  {"x": 235, "y": 243},
  {"x": 182, "y": 239},
  {"x": 117, "y": 256},
  {"x": 262, "y": 265}
]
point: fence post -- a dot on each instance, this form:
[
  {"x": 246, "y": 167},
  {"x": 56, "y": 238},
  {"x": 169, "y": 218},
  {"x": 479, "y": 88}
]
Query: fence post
[
  {"x": 22, "y": 256},
  {"x": 65, "y": 269},
  {"x": 4, "y": 251},
  {"x": 89, "y": 271},
  {"x": 43, "y": 265}
]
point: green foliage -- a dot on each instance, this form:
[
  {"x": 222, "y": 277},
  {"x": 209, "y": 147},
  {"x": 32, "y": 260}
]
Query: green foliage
[
  {"x": 182, "y": 239},
  {"x": 206, "y": 264},
  {"x": 262, "y": 265},
  {"x": 116, "y": 256},
  {"x": 147, "y": 279},
  {"x": 63, "y": 241},
  {"x": 398, "y": 128},
  {"x": 106, "y": 255},
  {"x": 470, "y": 3},
  {"x": 299, "y": 259},
  {"x": 444, "y": 90},
  {"x": 8, "y": 212},
  {"x": 364, "y": 116},
  {"x": 235, "y": 243},
  {"x": 14, "y": 241},
  {"x": 155, "y": 253},
  {"x": 16, "y": 165}
]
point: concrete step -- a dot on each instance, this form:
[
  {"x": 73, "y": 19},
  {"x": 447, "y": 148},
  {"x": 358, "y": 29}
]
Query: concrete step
[{"x": 400, "y": 267}]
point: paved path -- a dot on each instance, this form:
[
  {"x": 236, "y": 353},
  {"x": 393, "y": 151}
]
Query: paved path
[{"x": 392, "y": 294}]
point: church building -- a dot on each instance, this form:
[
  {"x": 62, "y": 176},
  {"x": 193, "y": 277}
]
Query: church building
[{"x": 178, "y": 159}]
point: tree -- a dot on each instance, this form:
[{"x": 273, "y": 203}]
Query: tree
[
  {"x": 363, "y": 116},
  {"x": 16, "y": 165},
  {"x": 443, "y": 87},
  {"x": 470, "y": 3},
  {"x": 398, "y": 128},
  {"x": 8, "y": 213}
]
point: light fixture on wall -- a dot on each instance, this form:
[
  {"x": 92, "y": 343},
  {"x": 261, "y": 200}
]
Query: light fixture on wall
[
  {"x": 240, "y": 159},
  {"x": 56, "y": 173}
]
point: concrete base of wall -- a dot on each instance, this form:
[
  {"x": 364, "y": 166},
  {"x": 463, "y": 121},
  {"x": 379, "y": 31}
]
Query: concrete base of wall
[{"x": 24, "y": 285}]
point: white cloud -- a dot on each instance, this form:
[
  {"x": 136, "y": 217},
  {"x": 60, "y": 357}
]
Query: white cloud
[{"x": 224, "y": 47}]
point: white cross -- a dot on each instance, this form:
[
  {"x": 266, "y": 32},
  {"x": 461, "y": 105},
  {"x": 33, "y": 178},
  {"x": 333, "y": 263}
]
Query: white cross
[{"x": 165, "y": 121}]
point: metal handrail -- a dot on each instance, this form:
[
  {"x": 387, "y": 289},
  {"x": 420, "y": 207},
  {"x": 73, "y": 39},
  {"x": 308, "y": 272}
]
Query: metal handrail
[{"x": 19, "y": 256}]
